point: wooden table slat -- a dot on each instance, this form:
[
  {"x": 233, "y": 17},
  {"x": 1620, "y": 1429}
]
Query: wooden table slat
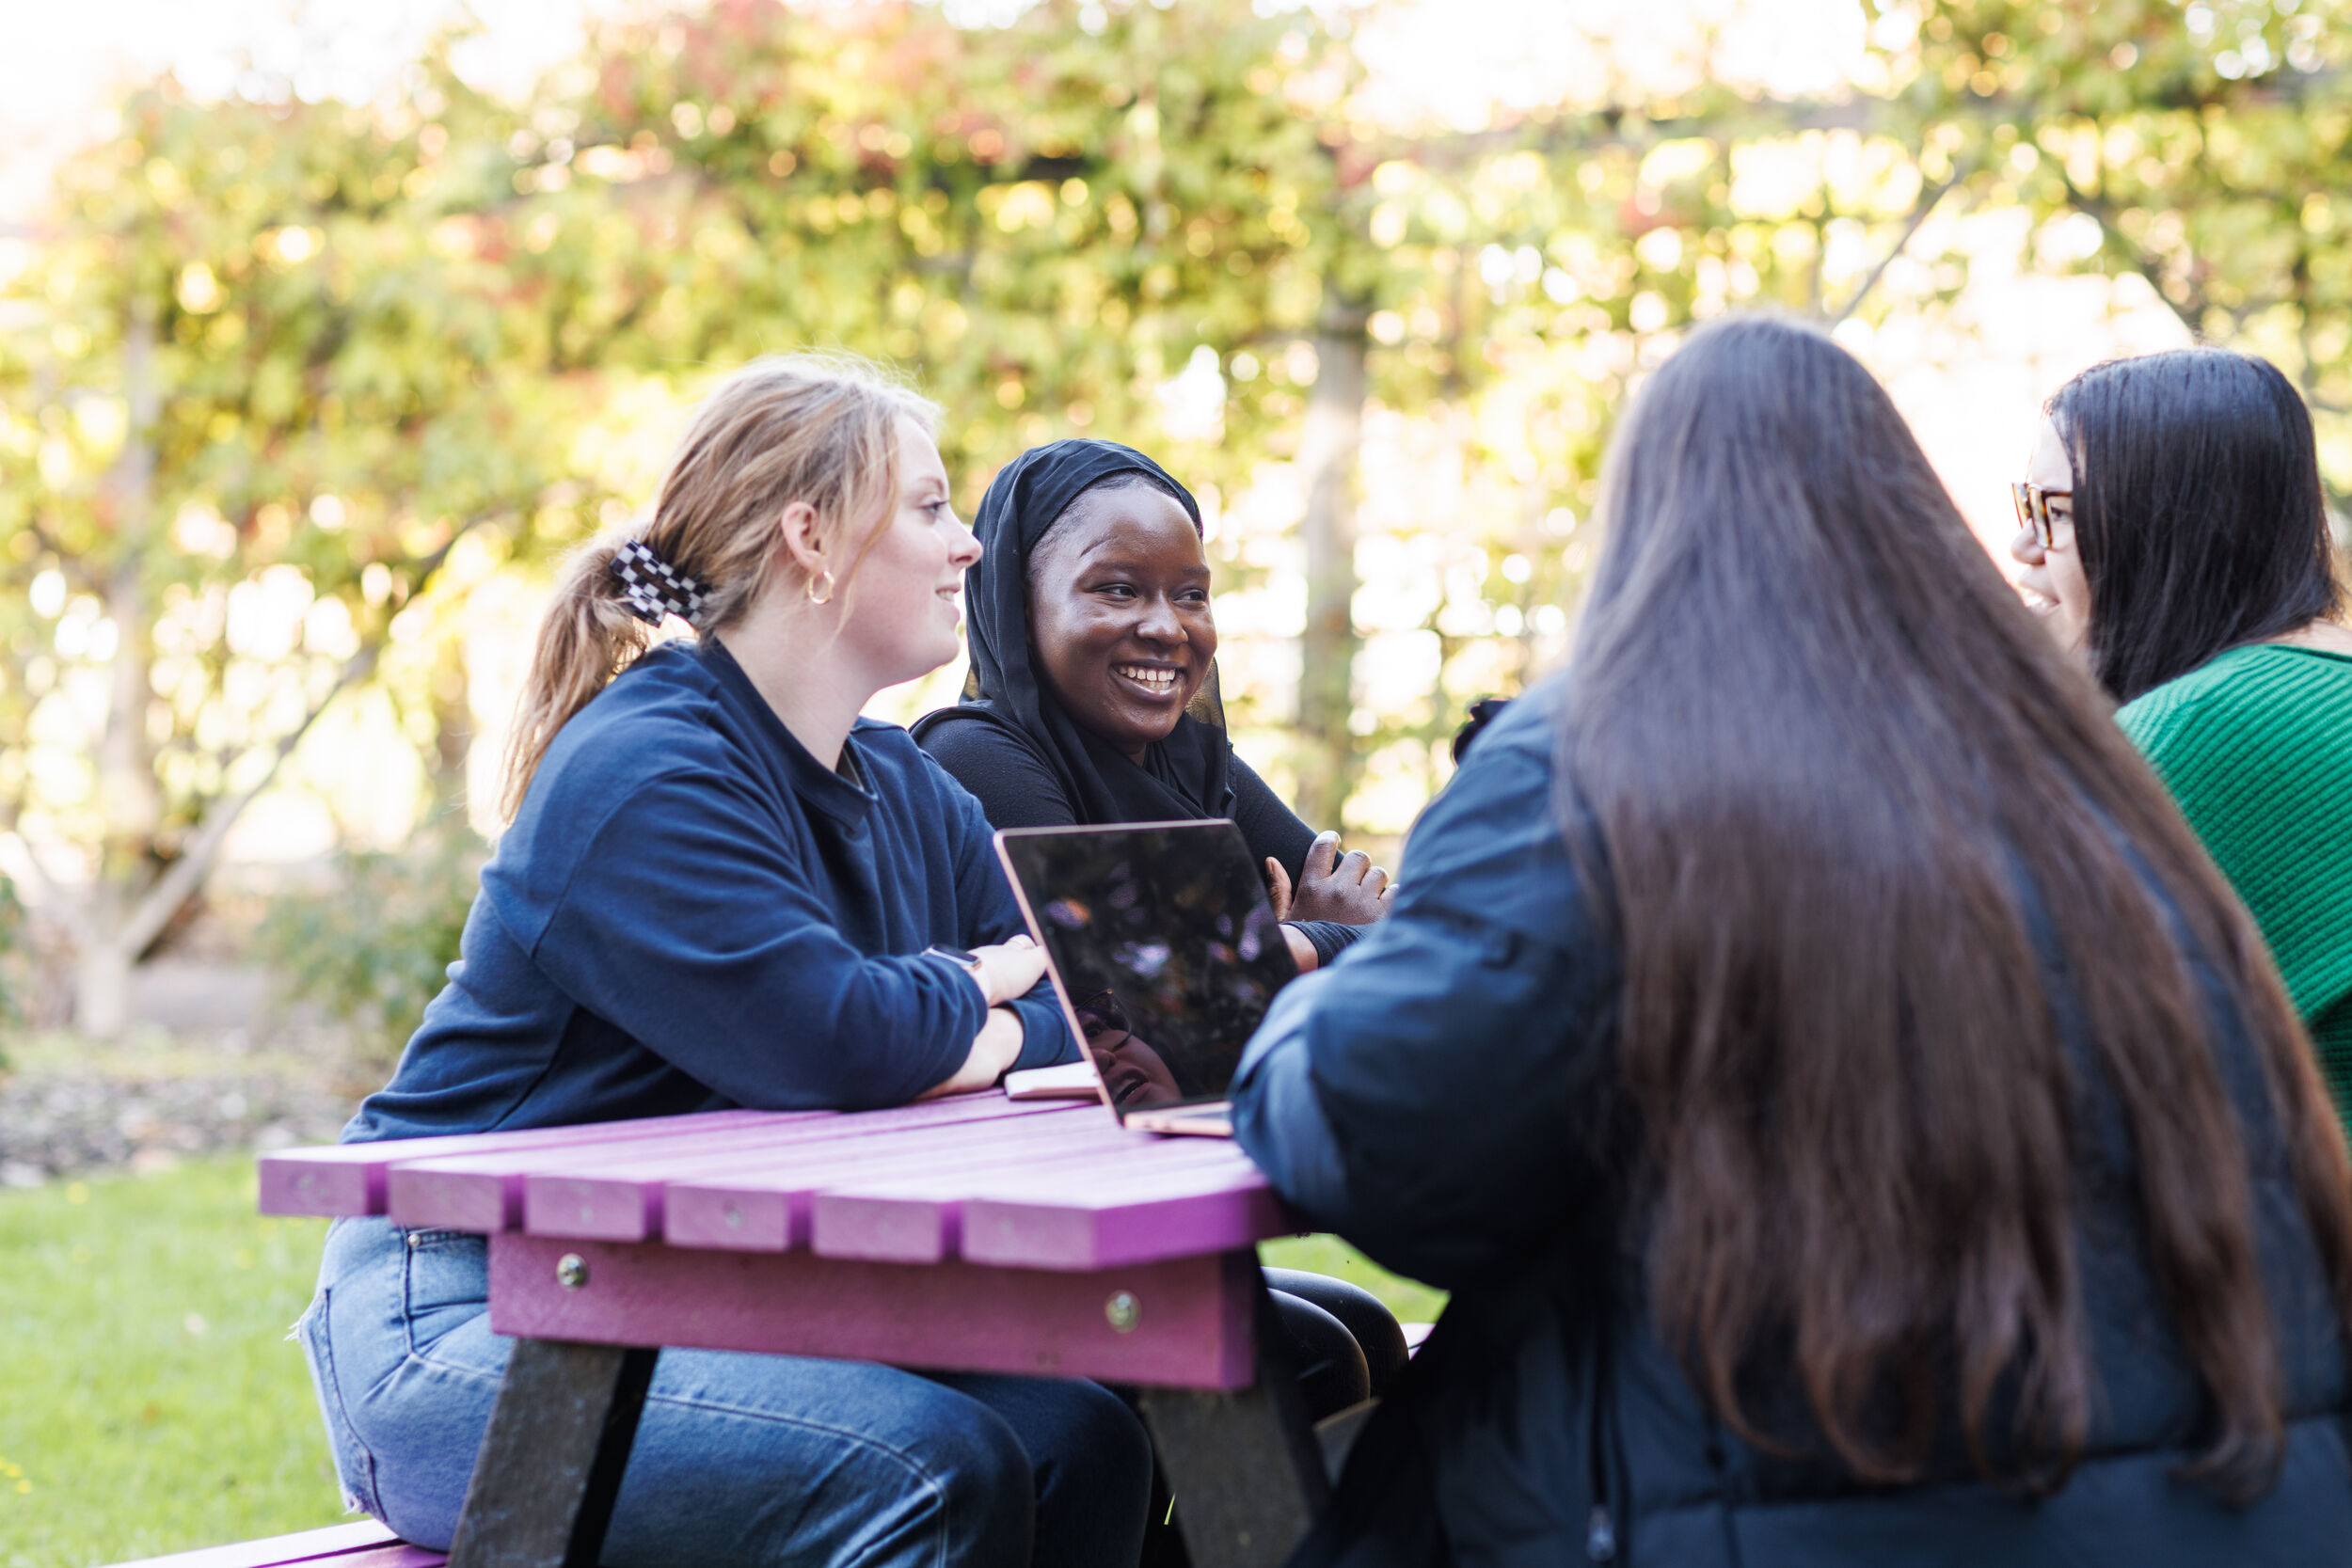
[
  {"x": 484, "y": 1191},
  {"x": 1025, "y": 1225},
  {"x": 917, "y": 1219},
  {"x": 624, "y": 1201},
  {"x": 344, "y": 1180},
  {"x": 767, "y": 1209}
]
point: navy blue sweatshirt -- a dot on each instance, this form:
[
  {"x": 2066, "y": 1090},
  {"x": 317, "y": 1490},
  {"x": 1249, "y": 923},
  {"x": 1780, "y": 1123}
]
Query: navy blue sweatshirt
[{"x": 691, "y": 912}]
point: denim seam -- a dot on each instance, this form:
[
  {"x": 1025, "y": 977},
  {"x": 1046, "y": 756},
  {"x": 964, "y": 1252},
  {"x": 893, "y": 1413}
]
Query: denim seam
[
  {"x": 425, "y": 1358},
  {"x": 407, "y": 1300},
  {"x": 320, "y": 1343}
]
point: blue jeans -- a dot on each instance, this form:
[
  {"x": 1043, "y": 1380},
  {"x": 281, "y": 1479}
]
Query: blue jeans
[{"x": 740, "y": 1459}]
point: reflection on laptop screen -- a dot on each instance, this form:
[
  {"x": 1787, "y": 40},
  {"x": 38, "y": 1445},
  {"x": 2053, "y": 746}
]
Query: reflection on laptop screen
[{"x": 1164, "y": 945}]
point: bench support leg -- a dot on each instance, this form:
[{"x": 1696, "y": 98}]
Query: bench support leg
[
  {"x": 1244, "y": 1467},
  {"x": 551, "y": 1465}
]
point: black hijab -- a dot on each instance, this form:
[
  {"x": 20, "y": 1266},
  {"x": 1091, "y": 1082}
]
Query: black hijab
[{"x": 1185, "y": 777}]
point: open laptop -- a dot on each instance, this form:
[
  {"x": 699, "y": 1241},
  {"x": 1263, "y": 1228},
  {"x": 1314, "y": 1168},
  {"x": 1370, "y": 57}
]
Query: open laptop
[{"x": 1165, "y": 954}]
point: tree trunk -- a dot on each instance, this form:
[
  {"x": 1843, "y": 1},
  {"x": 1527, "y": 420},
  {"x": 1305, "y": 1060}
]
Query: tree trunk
[
  {"x": 1326, "y": 454},
  {"x": 101, "y": 989},
  {"x": 129, "y": 803}
]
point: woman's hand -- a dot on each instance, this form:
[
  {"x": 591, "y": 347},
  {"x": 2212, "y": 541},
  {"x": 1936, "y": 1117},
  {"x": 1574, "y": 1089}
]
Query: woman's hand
[
  {"x": 1009, "y": 970},
  {"x": 1277, "y": 888},
  {"x": 995, "y": 1049},
  {"x": 1346, "y": 888}
]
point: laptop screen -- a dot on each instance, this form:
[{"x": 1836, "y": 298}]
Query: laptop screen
[{"x": 1163, "y": 944}]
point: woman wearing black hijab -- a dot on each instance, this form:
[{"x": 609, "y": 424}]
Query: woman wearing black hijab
[
  {"x": 1093, "y": 699},
  {"x": 1093, "y": 695}
]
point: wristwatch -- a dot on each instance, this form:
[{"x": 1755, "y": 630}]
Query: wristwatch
[{"x": 968, "y": 961}]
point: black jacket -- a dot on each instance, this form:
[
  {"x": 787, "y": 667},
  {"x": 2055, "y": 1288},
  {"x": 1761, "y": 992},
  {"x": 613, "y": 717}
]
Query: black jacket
[{"x": 1440, "y": 1097}]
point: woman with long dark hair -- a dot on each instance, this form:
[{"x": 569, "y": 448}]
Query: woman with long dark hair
[
  {"x": 2175, "y": 532},
  {"x": 720, "y": 886},
  {"x": 1857, "y": 1123}
]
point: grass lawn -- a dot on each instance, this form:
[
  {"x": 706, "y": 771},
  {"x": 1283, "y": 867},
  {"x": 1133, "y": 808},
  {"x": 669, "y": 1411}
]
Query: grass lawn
[
  {"x": 149, "y": 1399},
  {"x": 1412, "y": 1303}
]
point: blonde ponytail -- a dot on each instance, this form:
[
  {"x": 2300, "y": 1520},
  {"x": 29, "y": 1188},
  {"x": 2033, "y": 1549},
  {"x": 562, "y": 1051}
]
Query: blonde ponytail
[{"x": 816, "y": 428}]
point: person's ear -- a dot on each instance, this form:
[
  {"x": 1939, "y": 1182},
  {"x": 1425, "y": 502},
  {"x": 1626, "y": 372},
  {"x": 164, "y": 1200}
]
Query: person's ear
[{"x": 801, "y": 539}]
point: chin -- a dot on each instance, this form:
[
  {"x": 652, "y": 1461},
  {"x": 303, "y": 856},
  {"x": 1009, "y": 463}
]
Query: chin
[{"x": 920, "y": 657}]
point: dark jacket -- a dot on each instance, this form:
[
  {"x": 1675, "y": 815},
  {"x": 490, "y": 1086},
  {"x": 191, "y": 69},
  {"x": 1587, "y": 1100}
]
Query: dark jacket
[
  {"x": 690, "y": 912},
  {"x": 983, "y": 752},
  {"x": 1442, "y": 1097}
]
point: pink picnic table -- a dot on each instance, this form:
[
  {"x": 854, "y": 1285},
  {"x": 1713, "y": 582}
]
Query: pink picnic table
[{"x": 970, "y": 1234}]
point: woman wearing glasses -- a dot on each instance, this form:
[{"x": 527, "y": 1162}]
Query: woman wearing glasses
[{"x": 2175, "y": 535}]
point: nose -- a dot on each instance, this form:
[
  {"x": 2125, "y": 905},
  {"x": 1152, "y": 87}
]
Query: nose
[
  {"x": 2026, "y": 549},
  {"x": 1160, "y": 622},
  {"x": 964, "y": 548}
]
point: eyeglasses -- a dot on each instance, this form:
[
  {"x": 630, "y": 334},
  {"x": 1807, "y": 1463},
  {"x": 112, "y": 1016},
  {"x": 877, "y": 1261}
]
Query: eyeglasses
[{"x": 2033, "y": 512}]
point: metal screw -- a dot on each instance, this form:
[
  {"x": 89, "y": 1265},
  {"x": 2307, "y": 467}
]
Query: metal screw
[
  {"x": 571, "y": 1271},
  {"x": 735, "y": 1218},
  {"x": 1124, "y": 1311}
]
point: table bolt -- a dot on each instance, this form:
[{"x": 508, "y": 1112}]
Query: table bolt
[
  {"x": 1124, "y": 1311},
  {"x": 735, "y": 1218},
  {"x": 571, "y": 1271}
]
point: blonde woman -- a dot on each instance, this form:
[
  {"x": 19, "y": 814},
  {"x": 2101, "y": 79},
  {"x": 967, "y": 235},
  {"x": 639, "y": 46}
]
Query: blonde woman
[{"x": 722, "y": 887}]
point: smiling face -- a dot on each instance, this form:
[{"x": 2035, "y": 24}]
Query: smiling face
[
  {"x": 1134, "y": 1075},
  {"x": 1118, "y": 613},
  {"x": 902, "y": 606},
  {"x": 2053, "y": 584}
]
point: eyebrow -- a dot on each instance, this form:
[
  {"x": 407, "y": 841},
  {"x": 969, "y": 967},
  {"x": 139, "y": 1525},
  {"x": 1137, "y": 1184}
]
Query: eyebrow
[{"x": 1120, "y": 564}]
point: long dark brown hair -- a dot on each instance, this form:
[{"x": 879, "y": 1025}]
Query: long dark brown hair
[
  {"x": 2198, "y": 510},
  {"x": 1834, "y": 765}
]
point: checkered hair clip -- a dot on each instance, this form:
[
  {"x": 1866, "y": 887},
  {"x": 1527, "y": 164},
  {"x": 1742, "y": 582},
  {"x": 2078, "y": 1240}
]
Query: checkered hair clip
[{"x": 654, "y": 588}]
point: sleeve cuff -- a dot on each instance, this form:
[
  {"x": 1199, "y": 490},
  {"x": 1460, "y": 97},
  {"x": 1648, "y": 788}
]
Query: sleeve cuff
[
  {"x": 1278, "y": 1116},
  {"x": 1044, "y": 1035},
  {"x": 1328, "y": 937}
]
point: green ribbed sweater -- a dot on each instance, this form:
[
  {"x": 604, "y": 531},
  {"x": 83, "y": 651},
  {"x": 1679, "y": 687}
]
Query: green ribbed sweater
[{"x": 2256, "y": 746}]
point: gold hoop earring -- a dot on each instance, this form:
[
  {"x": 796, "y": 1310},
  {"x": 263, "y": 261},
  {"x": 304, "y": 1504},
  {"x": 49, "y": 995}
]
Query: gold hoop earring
[{"x": 823, "y": 595}]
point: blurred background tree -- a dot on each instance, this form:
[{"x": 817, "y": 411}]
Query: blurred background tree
[
  {"x": 258, "y": 398},
  {"x": 293, "y": 395}
]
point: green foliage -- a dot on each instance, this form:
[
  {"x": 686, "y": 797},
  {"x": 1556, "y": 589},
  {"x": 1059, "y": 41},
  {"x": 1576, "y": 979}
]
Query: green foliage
[
  {"x": 150, "y": 1403},
  {"x": 371, "y": 950},
  {"x": 2211, "y": 145},
  {"x": 376, "y": 328},
  {"x": 1043, "y": 223},
  {"x": 251, "y": 391}
]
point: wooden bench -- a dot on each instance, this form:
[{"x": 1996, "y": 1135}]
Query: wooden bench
[{"x": 365, "y": 1545}]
